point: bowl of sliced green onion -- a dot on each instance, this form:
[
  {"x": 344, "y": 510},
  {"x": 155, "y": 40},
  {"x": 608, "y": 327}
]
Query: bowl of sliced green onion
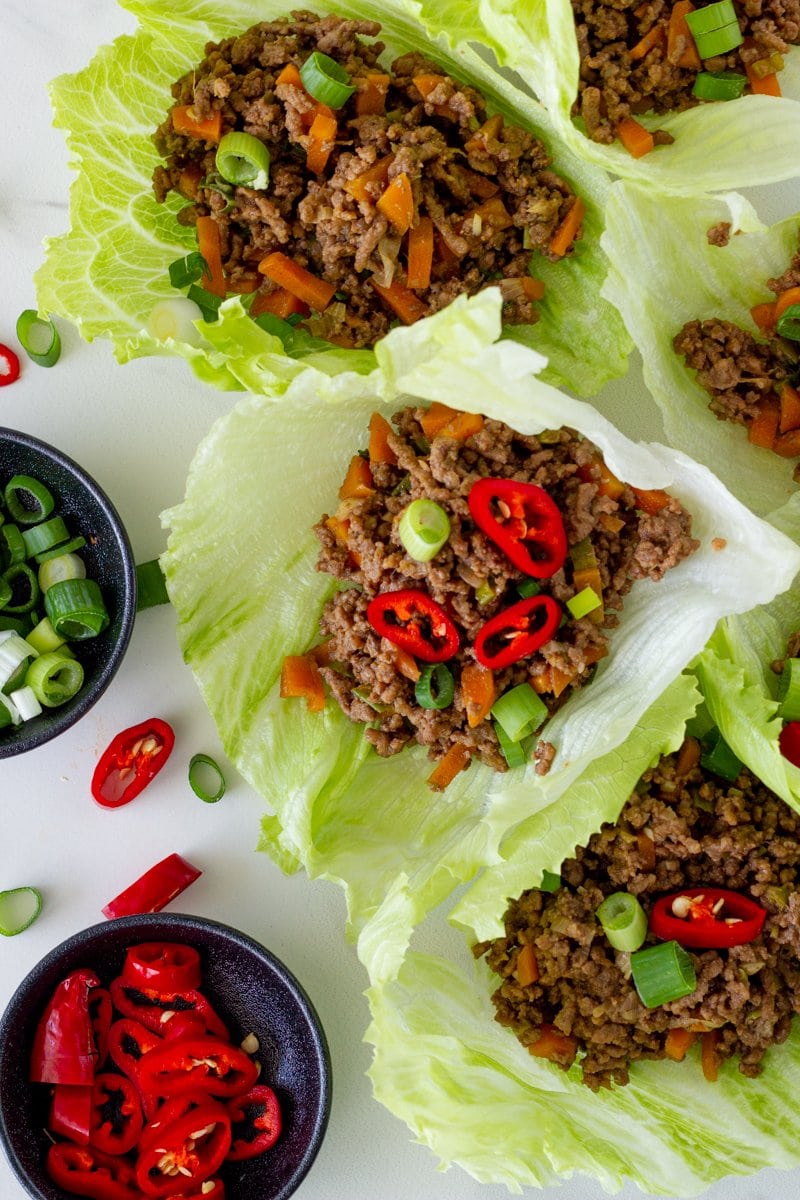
[{"x": 67, "y": 592}]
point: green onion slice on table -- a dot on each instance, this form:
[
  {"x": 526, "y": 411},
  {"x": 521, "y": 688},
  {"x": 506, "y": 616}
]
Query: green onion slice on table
[
  {"x": 424, "y": 527},
  {"x": 151, "y": 587},
  {"x": 662, "y": 973},
  {"x": 206, "y": 779},
  {"x": 39, "y": 338},
  {"x": 624, "y": 921},
  {"x": 325, "y": 80},
  {"x": 19, "y": 908},
  {"x": 243, "y": 160}
]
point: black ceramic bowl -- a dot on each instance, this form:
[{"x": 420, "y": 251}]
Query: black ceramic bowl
[
  {"x": 86, "y": 510},
  {"x": 251, "y": 990}
]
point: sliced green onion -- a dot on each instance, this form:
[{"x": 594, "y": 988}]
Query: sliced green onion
[
  {"x": 151, "y": 587},
  {"x": 24, "y": 588},
  {"x": 788, "y": 325},
  {"x": 276, "y": 326},
  {"x": 19, "y": 908},
  {"x": 713, "y": 16},
  {"x": 12, "y": 546},
  {"x": 518, "y": 711},
  {"x": 206, "y": 301},
  {"x": 718, "y": 757},
  {"x": 662, "y": 973},
  {"x": 6, "y": 592},
  {"x": 550, "y": 882},
  {"x": 717, "y": 41},
  {"x": 206, "y": 779},
  {"x": 722, "y": 85},
  {"x": 435, "y": 687},
  {"x": 8, "y": 712},
  {"x": 365, "y": 694},
  {"x": 76, "y": 543},
  {"x": 56, "y": 570},
  {"x": 583, "y": 602},
  {"x": 44, "y": 638},
  {"x": 325, "y": 80},
  {"x": 15, "y": 681},
  {"x": 623, "y": 920},
  {"x": 14, "y": 651},
  {"x": 424, "y": 527},
  {"x": 485, "y": 593},
  {"x": 55, "y": 678},
  {"x": 516, "y": 754},
  {"x": 189, "y": 269},
  {"x": 528, "y": 588},
  {"x": 789, "y": 690},
  {"x": 242, "y": 159},
  {"x": 76, "y": 608},
  {"x": 28, "y": 500},
  {"x": 39, "y": 338},
  {"x": 44, "y": 536},
  {"x": 21, "y": 625},
  {"x": 26, "y": 702},
  {"x": 174, "y": 318}
]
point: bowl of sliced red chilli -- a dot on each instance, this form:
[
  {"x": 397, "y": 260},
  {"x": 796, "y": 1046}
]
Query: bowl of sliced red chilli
[{"x": 162, "y": 1056}]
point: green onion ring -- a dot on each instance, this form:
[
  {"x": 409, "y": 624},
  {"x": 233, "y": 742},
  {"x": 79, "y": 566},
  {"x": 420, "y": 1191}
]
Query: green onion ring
[
  {"x": 423, "y": 528},
  {"x": 518, "y": 711},
  {"x": 583, "y": 602},
  {"x": 516, "y": 754},
  {"x": 550, "y": 882},
  {"x": 662, "y": 973},
  {"x": 200, "y": 765},
  {"x": 76, "y": 543},
  {"x": 12, "y": 546},
  {"x": 76, "y": 608},
  {"x": 55, "y": 678},
  {"x": 718, "y": 757},
  {"x": 528, "y": 588},
  {"x": 44, "y": 536},
  {"x": 189, "y": 269},
  {"x": 711, "y": 17},
  {"x": 151, "y": 588},
  {"x": 721, "y": 85},
  {"x": 718, "y": 41},
  {"x": 624, "y": 921},
  {"x": 206, "y": 301},
  {"x": 243, "y": 160},
  {"x": 8, "y": 906},
  {"x": 435, "y": 687},
  {"x": 38, "y": 503},
  {"x": 789, "y": 323},
  {"x": 21, "y": 572},
  {"x": 325, "y": 80},
  {"x": 39, "y": 338}
]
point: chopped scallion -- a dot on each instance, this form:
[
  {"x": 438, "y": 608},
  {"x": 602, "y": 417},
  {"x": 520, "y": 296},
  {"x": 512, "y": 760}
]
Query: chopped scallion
[
  {"x": 550, "y": 882},
  {"x": 718, "y": 757},
  {"x": 175, "y": 318},
  {"x": 61, "y": 567},
  {"x": 39, "y": 338},
  {"x": 76, "y": 608},
  {"x": 528, "y": 588},
  {"x": 243, "y": 160},
  {"x": 583, "y": 602},
  {"x": 435, "y": 687},
  {"x": 24, "y": 588},
  {"x": 623, "y": 920},
  {"x": 721, "y": 85},
  {"x": 325, "y": 80},
  {"x": 55, "y": 678},
  {"x": 151, "y": 588},
  {"x": 189, "y": 269},
  {"x": 206, "y": 779},
  {"x": 662, "y": 973},
  {"x": 788, "y": 324},
  {"x": 516, "y": 754},
  {"x": 19, "y": 908},
  {"x": 424, "y": 527},
  {"x": 28, "y": 500},
  {"x": 206, "y": 301},
  {"x": 44, "y": 536},
  {"x": 519, "y": 711}
]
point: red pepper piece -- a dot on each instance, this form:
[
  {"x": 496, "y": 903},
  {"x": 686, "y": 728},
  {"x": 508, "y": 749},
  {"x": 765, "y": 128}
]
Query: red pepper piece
[
  {"x": 149, "y": 1007},
  {"x": 116, "y": 1114},
  {"x": 789, "y": 742},
  {"x": 206, "y": 1064},
  {"x": 128, "y": 1042},
  {"x": 256, "y": 1122},
  {"x": 151, "y": 891},
  {"x": 167, "y": 1112},
  {"x": 133, "y": 758},
  {"x": 411, "y": 620},
  {"x": 185, "y": 1024},
  {"x": 196, "y": 1144},
  {"x": 71, "y": 1112},
  {"x": 217, "y": 1192},
  {"x": 162, "y": 966},
  {"x": 64, "y": 1048},
  {"x": 523, "y": 521},
  {"x": 101, "y": 1016},
  {"x": 517, "y": 632},
  {"x": 715, "y": 919},
  {"x": 9, "y": 365},
  {"x": 84, "y": 1171}
]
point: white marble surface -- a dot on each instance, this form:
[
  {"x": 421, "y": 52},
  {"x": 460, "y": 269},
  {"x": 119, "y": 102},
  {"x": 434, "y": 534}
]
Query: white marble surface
[{"x": 135, "y": 429}]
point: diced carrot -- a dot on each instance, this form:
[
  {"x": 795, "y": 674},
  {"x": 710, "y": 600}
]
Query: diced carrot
[
  {"x": 688, "y": 756},
  {"x": 445, "y": 253},
  {"x": 405, "y": 664},
  {"x": 358, "y": 481},
  {"x": 425, "y": 84},
  {"x": 184, "y": 121},
  {"x": 637, "y": 140},
  {"x": 291, "y": 75},
  {"x": 420, "y": 254},
  {"x": 678, "y": 31},
  {"x": 533, "y": 288},
  {"x": 300, "y": 677},
  {"x": 189, "y": 181},
  {"x": 554, "y": 1045},
  {"x": 559, "y": 680},
  {"x": 321, "y": 654},
  {"x": 368, "y": 184},
  {"x": 321, "y": 140},
  {"x": 489, "y": 131},
  {"x": 655, "y": 36},
  {"x": 408, "y": 307},
  {"x": 651, "y": 502},
  {"x": 790, "y": 408},
  {"x": 478, "y": 690},
  {"x": 245, "y": 285},
  {"x": 379, "y": 449},
  {"x": 763, "y": 429},
  {"x": 543, "y": 681},
  {"x": 708, "y": 1055},
  {"x": 785, "y": 300},
  {"x": 309, "y": 115},
  {"x": 435, "y": 418},
  {"x": 492, "y": 213},
  {"x": 604, "y": 477},
  {"x": 397, "y": 203},
  {"x": 338, "y": 528},
  {"x": 371, "y": 95},
  {"x": 567, "y": 231},
  {"x": 764, "y": 315},
  {"x": 647, "y": 850},
  {"x": 296, "y": 279},
  {"x": 526, "y": 968},
  {"x": 455, "y": 760},
  {"x": 788, "y": 444},
  {"x": 210, "y": 246},
  {"x": 278, "y": 302},
  {"x": 768, "y": 85},
  {"x": 677, "y": 1043},
  {"x": 479, "y": 185},
  {"x": 462, "y": 426}
]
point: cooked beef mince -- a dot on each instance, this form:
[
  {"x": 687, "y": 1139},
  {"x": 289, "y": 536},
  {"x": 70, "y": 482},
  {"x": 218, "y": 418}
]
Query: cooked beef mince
[
  {"x": 682, "y": 828},
  {"x": 473, "y": 580},
  {"x": 487, "y": 187},
  {"x": 630, "y": 65},
  {"x": 744, "y": 375}
]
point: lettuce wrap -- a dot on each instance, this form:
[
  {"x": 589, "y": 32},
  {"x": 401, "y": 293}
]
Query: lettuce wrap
[
  {"x": 110, "y": 269},
  {"x": 240, "y": 569},
  {"x": 727, "y": 144}
]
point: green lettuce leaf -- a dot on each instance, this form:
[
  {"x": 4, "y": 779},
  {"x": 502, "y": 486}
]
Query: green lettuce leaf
[
  {"x": 109, "y": 270},
  {"x": 240, "y": 568},
  {"x": 738, "y": 143}
]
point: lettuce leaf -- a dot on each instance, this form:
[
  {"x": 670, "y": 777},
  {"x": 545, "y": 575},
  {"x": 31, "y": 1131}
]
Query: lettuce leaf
[
  {"x": 240, "y": 568},
  {"x": 738, "y": 143},
  {"x": 109, "y": 270}
]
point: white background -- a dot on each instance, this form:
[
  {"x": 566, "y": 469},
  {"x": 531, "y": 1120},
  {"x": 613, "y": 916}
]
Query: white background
[{"x": 135, "y": 429}]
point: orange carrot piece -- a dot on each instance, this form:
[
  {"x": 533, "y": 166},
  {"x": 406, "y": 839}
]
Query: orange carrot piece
[
  {"x": 358, "y": 481},
  {"x": 790, "y": 408},
  {"x": 425, "y": 84},
  {"x": 688, "y": 756},
  {"x": 321, "y": 139},
  {"x": 763, "y": 429},
  {"x": 462, "y": 426},
  {"x": 478, "y": 690},
  {"x": 184, "y": 121},
  {"x": 788, "y": 444},
  {"x": 244, "y": 286},
  {"x": 655, "y": 36},
  {"x": 379, "y": 449},
  {"x": 647, "y": 850},
  {"x": 397, "y": 203},
  {"x": 533, "y": 288},
  {"x": 366, "y": 185},
  {"x": 606, "y": 480},
  {"x": 296, "y": 279},
  {"x": 708, "y": 1055},
  {"x": 678, "y": 31},
  {"x": 455, "y": 760},
  {"x": 278, "y": 302},
  {"x": 420, "y": 254},
  {"x": 290, "y": 74},
  {"x": 492, "y": 213},
  {"x": 652, "y": 501},
  {"x": 567, "y": 231},
  {"x": 559, "y": 681},
  {"x": 408, "y": 307},
  {"x": 553, "y": 1044},
  {"x": 406, "y": 664},
  {"x": 479, "y": 184},
  {"x": 321, "y": 654},
  {"x": 489, "y": 131},
  {"x": 769, "y": 85},
  {"x": 677, "y": 1043},
  {"x": 764, "y": 315},
  {"x": 210, "y": 246},
  {"x": 785, "y": 300},
  {"x": 338, "y": 528},
  {"x": 526, "y": 968},
  {"x": 435, "y": 418},
  {"x": 637, "y": 140},
  {"x": 371, "y": 95},
  {"x": 300, "y": 677}
]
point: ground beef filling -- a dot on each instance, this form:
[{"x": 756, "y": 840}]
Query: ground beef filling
[
  {"x": 744, "y": 375},
  {"x": 473, "y": 579},
  {"x": 620, "y": 77},
  {"x": 487, "y": 186},
  {"x": 678, "y": 830}
]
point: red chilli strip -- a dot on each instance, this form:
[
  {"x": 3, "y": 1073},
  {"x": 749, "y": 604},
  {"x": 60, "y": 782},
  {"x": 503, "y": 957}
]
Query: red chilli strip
[
  {"x": 517, "y": 632},
  {"x": 523, "y": 520},
  {"x": 64, "y": 1049},
  {"x": 151, "y": 891},
  {"x": 413, "y": 621},
  {"x": 256, "y": 1122},
  {"x": 9, "y": 366},
  {"x": 716, "y": 918},
  {"x": 131, "y": 761}
]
